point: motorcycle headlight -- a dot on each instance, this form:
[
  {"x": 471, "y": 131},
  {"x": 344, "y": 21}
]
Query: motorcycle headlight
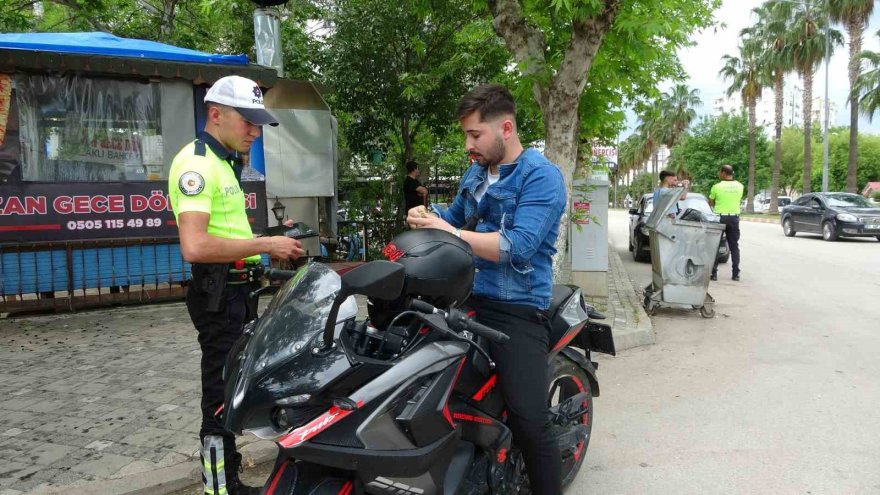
[{"x": 846, "y": 217}]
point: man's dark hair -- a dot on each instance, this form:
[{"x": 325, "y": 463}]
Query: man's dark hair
[
  {"x": 727, "y": 170},
  {"x": 411, "y": 165},
  {"x": 491, "y": 100},
  {"x": 666, "y": 173}
]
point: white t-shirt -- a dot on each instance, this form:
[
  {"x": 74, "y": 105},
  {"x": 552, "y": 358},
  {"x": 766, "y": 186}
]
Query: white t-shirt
[{"x": 490, "y": 179}]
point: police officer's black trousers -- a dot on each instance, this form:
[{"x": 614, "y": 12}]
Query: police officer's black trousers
[
  {"x": 731, "y": 230},
  {"x": 218, "y": 331},
  {"x": 523, "y": 374}
]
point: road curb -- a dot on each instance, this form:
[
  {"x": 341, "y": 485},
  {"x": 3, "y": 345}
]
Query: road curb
[
  {"x": 637, "y": 330},
  {"x": 759, "y": 220}
]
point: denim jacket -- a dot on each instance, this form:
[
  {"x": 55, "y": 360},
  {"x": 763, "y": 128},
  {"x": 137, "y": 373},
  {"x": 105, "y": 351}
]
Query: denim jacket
[{"x": 525, "y": 206}]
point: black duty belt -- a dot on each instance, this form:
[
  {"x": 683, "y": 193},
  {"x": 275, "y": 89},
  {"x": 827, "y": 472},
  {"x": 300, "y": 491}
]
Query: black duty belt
[{"x": 243, "y": 273}]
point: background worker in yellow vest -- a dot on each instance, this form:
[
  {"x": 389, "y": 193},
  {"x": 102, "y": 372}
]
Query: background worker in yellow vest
[
  {"x": 725, "y": 197},
  {"x": 215, "y": 236}
]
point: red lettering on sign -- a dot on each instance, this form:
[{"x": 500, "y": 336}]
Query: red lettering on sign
[
  {"x": 80, "y": 204},
  {"x": 116, "y": 203},
  {"x": 30, "y": 206},
  {"x": 137, "y": 203},
  {"x": 62, "y": 205},
  {"x": 98, "y": 204},
  {"x": 13, "y": 206}
]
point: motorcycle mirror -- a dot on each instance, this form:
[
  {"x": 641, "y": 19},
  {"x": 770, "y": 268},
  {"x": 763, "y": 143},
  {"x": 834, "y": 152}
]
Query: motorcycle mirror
[{"x": 380, "y": 279}]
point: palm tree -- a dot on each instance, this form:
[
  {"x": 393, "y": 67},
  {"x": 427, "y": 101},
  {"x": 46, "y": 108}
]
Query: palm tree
[
  {"x": 651, "y": 134},
  {"x": 868, "y": 84},
  {"x": 805, "y": 44},
  {"x": 771, "y": 29},
  {"x": 749, "y": 78},
  {"x": 854, "y": 15},
  {"x": 678, "y": 112}
]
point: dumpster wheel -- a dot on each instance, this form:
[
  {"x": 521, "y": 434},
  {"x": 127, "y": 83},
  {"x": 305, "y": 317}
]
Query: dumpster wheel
[
  {"x": 648, "y": 303},
  {"x": 707, "y": 310}
]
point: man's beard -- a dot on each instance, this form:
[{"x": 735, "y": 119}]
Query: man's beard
[{"x": 494, "y": 156}]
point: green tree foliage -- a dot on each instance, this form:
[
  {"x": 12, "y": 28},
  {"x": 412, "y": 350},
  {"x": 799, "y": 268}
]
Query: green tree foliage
[
  {"x": 838, "y": 155},
  {"x": 716, "y": 141},
  {"x": 399, "y": 68},
  {"x": 214, "y": 26}
]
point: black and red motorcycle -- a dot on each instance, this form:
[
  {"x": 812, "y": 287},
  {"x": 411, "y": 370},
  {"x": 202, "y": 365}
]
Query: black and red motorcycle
[{"x": 404, "y": 402}]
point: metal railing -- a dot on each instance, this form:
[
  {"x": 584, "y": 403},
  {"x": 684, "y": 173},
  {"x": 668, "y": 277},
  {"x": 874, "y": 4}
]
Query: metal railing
[{"x": 69, "y": 275}]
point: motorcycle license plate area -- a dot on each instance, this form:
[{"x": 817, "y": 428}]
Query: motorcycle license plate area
[{"x": 598, "y": 337}]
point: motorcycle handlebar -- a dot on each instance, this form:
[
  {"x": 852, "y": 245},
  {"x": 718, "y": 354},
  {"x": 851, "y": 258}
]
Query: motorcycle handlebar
[
  {"x": 276, "y": 274},
  {"x": 460, "y": 320}
]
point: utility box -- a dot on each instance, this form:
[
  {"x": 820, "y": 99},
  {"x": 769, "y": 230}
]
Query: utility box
[{"x": 589, "y": 235}]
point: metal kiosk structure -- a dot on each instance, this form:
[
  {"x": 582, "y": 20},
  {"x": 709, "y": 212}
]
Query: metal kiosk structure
[{"x": 683, "y": 250}]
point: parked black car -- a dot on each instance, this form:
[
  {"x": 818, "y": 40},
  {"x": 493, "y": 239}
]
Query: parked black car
[
  {"x": 639, "y": 243},
  {"x": 833, "y": 214}
]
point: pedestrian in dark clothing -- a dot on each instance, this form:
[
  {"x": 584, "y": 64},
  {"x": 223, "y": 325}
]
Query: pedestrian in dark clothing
[{"x": 413, "y": 191}]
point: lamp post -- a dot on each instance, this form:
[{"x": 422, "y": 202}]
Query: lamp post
[
  {"x": 278, "y": 210},
  {"x": 827, "y": 63}
]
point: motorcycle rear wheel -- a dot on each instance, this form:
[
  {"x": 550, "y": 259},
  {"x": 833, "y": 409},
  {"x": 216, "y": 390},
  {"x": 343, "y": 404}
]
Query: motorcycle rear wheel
[{"x": 569, "y": 379}]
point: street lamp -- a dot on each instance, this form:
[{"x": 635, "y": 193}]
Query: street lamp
[
  {"x": 278, "y": 210},
  {"x": 827, "y": 63}
]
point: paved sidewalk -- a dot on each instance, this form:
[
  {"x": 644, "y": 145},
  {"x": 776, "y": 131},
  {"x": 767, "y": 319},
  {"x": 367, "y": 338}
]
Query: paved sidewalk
[
  {"x": 107, "y": 402},
  {"x": 630, "y": 324}
]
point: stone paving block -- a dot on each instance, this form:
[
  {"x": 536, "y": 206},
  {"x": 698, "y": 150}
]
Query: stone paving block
[
  {"x": 48, "y": 453},
  {"x": 63, "y": 424},
  {"x": 103, "y": 466},
  {"x": 148, "y": 437}
]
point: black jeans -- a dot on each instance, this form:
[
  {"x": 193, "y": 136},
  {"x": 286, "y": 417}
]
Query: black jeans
[
  {"x": 731, "y": 229},
  {"x": 218, "y": 331},
  {"x": 523, "y": 374}
]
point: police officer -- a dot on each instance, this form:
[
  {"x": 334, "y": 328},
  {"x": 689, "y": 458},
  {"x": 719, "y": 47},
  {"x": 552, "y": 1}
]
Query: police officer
[
  {"x": 215, "y": 236},
  {"x": 724, "y": 197}
]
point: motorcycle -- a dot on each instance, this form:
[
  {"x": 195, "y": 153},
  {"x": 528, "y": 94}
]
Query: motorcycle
[{"x": 408, "y": 404}]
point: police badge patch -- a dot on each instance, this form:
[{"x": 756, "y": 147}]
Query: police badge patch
[{"x": 191, "y": 183}]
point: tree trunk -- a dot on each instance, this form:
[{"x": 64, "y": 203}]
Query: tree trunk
[
  {"x": 560, "y": 126},
  {"x": 750, "y": 197},
  {"x": 166, "y": 26},
  {"x": 855, "y": 67},
  {"x": 808, "y": 132},
  {"x": 654, "y": 162},
  {"x": 777, "y": 140}
]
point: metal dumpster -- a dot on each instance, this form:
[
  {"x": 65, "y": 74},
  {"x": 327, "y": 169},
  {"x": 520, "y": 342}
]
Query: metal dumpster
[{"x": 684, "y": 245}]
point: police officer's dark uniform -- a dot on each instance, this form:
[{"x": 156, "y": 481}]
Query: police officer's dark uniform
[{"x": 205, "y": 177}]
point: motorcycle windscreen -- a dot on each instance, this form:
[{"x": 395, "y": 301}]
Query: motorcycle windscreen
[{"x": 297, "y": 312}]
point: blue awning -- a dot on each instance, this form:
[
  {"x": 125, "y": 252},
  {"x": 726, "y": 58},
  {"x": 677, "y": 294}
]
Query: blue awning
[{"x": 106, "y": 44}]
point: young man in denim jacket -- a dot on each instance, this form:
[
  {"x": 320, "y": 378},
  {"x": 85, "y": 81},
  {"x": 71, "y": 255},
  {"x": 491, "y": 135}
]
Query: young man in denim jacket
[{"x": 508, "y": 208}]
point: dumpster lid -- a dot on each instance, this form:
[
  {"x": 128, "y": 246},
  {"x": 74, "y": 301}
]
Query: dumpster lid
[{"x": 666, "y": 205}]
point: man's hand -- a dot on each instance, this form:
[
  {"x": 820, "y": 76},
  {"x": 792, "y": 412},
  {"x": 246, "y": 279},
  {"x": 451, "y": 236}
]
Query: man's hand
[
  {"x": 417, "y": 212},
  {"x": 288, "y": 223},
  {"x": 429, "y": 221},
  {"x": 285, "y": 248}
]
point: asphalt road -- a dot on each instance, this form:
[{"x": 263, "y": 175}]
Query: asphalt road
[{"x": 779, "y": 393}]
